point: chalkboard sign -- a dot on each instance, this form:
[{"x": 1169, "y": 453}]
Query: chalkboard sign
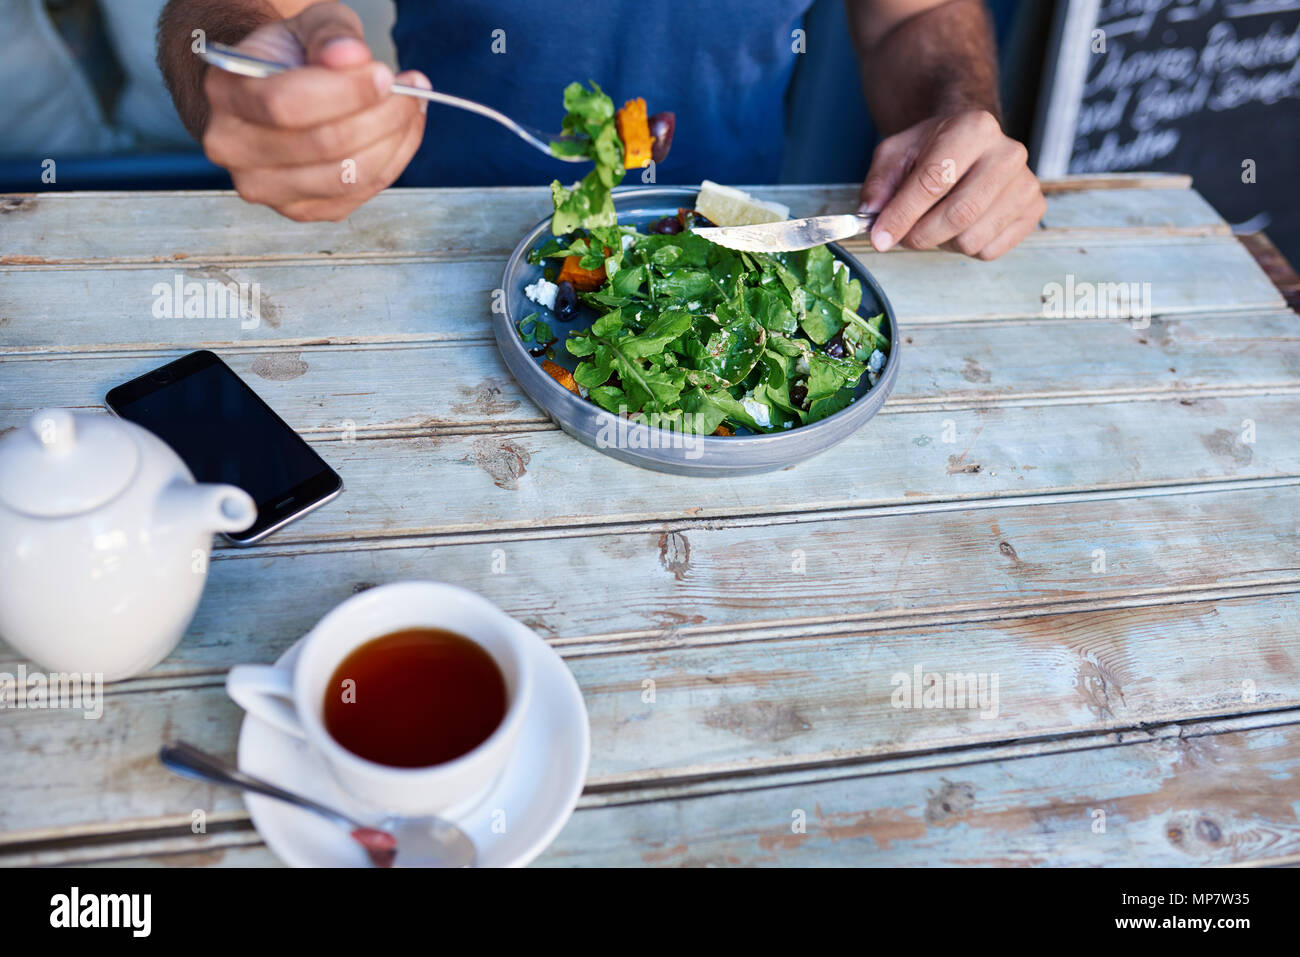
[{"x": 1206, "y": 87}]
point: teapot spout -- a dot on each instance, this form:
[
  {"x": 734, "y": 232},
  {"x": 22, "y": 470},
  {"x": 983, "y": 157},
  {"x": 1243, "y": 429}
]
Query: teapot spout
[{"x": 216, "y": 508}]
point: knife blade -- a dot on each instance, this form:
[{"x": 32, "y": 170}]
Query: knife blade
[{"x": 791, "y": 234}]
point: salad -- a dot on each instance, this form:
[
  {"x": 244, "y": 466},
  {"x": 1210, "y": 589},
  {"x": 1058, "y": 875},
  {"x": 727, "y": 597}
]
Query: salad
[{"x": 690, "y": 335}]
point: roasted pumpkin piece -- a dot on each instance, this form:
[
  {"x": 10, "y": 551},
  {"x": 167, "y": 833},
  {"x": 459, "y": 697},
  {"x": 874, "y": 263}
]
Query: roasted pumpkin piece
[
  {"x": 634, "y": 130},
  {"x": 560, "y": 375},
  {"x": 586, "y": 280},
  {"x": 723, "y": 430}
]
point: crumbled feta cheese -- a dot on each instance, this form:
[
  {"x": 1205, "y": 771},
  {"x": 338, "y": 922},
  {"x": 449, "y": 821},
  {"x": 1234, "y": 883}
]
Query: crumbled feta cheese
[
  {"x": 801, "y": 365},
  {"x": 876, "y": 362},
  {"x": 758, "y": 412},
  {"x": 542, "y": 292},
  {"x": 693, "y": 305},
  {"x": 627, "y": 242},
  {"x": 836, "y": 266}
]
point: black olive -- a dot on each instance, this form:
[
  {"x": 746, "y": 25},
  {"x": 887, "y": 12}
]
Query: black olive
[
  {"x": 835, "y": 348},
  {"x": 538, "y": 351},
  {"x": 566, "y": 302},
  {"x": 799, "y": 395},
  {"x": 668, "y": 226},
  {"x": 662, "y": 126}
]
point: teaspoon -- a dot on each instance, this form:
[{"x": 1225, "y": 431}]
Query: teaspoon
[{"x": 394, "y": 841}]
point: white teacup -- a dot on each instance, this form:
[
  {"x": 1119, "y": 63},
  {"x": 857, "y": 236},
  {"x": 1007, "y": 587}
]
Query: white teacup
[{"x": 293, "y": 700}]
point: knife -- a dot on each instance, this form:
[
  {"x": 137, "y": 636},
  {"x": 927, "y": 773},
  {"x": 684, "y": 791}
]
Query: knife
[{"x": 790, "y": 234}]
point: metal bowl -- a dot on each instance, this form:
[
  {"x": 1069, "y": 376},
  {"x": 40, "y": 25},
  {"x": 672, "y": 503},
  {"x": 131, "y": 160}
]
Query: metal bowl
[{"x": 660, "y": 449}]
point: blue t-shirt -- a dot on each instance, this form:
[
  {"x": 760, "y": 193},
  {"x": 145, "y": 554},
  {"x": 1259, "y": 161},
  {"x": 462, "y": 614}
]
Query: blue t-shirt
[{"x": 722, "y": 66}]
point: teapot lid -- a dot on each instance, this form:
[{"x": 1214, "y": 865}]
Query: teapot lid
[{"x": 63, "y": 464}]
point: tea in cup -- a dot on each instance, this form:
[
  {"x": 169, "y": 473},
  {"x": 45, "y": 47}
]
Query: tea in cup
[{"x": 414, "y": 693}]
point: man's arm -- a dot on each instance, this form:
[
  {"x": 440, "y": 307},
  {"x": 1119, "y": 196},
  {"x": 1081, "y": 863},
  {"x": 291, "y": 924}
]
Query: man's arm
[
  {"x": 222, "y": 21},
  {"x": 314, "y": 142},
  {"x": 924, "y": 59},
  {"x": 946, "y": 174}
]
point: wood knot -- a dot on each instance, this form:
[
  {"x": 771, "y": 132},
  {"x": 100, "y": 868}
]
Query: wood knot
[
  {"x": 279, "y": 366},
  {"x": 1208, "y": 831},
  {"x": 507, "y": 462},
  {"x": 675, "y": 553},
  {"x": 952, "y": 800},
  {"x": 1006, "y": 549}
]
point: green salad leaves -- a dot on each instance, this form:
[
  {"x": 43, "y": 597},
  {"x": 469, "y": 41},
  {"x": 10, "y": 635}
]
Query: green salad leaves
[
  {"x": 693, "y": 336},
  {"x": 589, "y": 120}
]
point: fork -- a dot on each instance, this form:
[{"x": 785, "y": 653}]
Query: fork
[{"x": 233, "y": 61}]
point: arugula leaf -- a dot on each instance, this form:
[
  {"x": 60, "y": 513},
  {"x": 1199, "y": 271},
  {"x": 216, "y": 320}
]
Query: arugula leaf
[
  {"x": 685, "y": 284},
  {"x": 535, "y": 332},
  {"x": 735, "y": 410},
  {"x": 734, "y": 350},
  {"x": 611, "y": 323},
  {"x": 823, "y": 298},
  {"x": 646, "y": 384},
  {"x": 821, "y": 408},
  {"x": 706, "y": 414},
  {"x": 663, "y": 330},
  {"x": 787, "y": 347},
  {"x": 596, "y": 372},
  {"x": 770, "y": 309},
  {"x": 590, "y": 120},
  {"x": 863, "y": 336},
  {"x": 579, "y": 345},
  {"x": 608, "y": 397},
  {"x": 827, "y": 375}
]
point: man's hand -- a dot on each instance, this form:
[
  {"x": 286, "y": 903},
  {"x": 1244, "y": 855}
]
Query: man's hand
[
  {"x": 957, "y": 182},
  {"x": 315, "y": 142},
  {"x": 948, "y": 176}
]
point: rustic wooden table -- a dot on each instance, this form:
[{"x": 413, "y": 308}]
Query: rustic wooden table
[{"x": 1100, "y": 518}]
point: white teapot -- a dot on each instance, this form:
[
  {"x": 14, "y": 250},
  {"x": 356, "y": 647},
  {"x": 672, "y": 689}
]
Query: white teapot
[{"x": 104, "y": 541}]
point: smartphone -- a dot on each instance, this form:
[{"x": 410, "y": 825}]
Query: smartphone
[{"x": 224, "y": 432}]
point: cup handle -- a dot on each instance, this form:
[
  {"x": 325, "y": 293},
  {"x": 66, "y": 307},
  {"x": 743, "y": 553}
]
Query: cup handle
[{"x": 266, "y": 692}]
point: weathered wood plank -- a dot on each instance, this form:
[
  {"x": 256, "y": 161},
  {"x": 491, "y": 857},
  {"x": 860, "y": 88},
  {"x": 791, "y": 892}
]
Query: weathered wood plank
[
  {"x": 546, "y": 480},
  {"x": 1195, "y": 801},
  {"x": 719, "y": 710},
  {"x": 709, "y": 585},
  {"x": 446, "y": 386},
  {"x": 451, "y": 223},
  {"x": 925, "y": 816},
  {"x": 89, "y": 308}
]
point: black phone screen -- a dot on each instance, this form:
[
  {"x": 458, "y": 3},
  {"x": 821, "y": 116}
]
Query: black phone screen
[{"x": 224, "y": 432}]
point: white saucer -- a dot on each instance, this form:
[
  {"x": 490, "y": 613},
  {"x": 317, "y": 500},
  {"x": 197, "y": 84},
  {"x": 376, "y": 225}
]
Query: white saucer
[{"x": 520, "y": 816}]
